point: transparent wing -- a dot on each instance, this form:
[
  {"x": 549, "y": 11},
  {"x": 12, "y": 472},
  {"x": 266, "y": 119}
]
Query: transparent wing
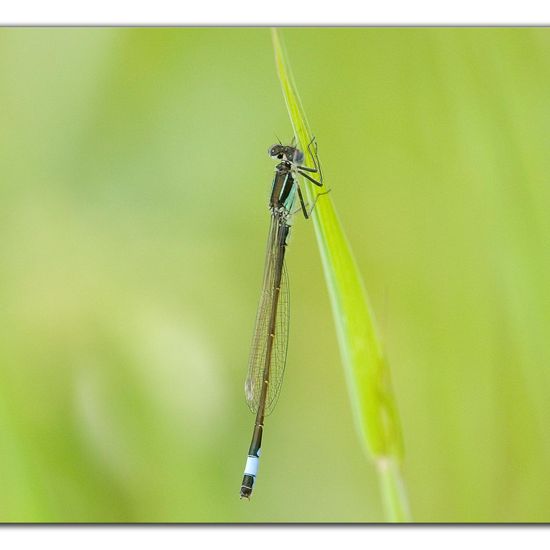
[{"x": 262, "y": 354}]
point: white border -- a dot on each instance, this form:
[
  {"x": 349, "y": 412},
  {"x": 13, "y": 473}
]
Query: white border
[
  {"x": 275, "y": 12},
  {"x": 228, "y": 538}
]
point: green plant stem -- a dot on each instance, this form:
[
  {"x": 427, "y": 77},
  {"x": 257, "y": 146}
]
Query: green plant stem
[
  {"x": 393, "y": 491},
  {"x": 365, "y": 366}
]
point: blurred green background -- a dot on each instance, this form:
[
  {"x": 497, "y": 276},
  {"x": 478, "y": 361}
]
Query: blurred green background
[{"x": 133, "y": 219}]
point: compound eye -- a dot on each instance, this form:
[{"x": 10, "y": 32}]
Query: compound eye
[{"x": 274, "y": 151}]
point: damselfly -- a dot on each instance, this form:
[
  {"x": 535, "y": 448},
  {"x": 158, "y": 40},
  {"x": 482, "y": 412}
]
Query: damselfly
[{"x": 267, "y": 360}]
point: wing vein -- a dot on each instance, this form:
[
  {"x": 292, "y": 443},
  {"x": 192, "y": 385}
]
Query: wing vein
[{"x": 270, "y": 299}]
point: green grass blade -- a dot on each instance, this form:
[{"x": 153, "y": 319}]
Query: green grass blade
[{"x": 366, "y": 369}]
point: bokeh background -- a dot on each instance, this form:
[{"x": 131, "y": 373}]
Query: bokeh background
[{"x": 133, "y": 218}]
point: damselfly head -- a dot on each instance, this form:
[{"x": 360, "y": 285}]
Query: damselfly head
[{"x": 286, "y": 153}]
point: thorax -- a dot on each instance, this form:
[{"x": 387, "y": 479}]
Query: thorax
[{"x": 283, "y": 190}]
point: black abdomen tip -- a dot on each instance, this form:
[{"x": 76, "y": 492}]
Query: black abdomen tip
[{"x": 246, "y": 487}]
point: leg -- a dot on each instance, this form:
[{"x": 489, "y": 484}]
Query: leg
[
  {"x": 315, "y": 158},
  {"x": 307, "y": 169},
  {"x": 319, "y": 183},
  {"x": 315, "y": 201},
  {"x": 316, "y": 170},
  {"x": 302, "y": 203}
]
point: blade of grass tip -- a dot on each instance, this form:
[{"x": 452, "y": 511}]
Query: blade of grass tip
[{"x": 366, "y": 369}]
